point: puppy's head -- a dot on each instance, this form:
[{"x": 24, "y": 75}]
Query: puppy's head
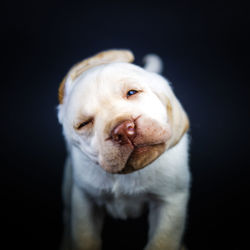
[{"x": 119, "y": 115}]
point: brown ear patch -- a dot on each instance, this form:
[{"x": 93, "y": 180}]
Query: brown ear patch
[
  {"x": 170, "y": 112},
  {"x": 61, "y": 90},
  {"x": 98, "y": 59},
  {"x": 178, "y": 121}
]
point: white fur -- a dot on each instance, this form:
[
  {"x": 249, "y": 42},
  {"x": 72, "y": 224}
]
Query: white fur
[{"x": 163, "y": 185}]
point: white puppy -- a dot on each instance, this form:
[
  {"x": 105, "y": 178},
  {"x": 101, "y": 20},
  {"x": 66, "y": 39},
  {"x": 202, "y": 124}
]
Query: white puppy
[{"x": 127, "y": 149}]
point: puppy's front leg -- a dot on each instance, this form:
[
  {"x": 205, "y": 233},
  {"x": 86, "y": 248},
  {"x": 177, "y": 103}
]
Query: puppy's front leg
[
  {"x": 166, "y": 222},
  {"x": 86, "y": 222}
]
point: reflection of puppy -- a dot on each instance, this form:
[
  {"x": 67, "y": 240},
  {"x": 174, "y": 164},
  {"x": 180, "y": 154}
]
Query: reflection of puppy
[{"x": 125, "y": 135}]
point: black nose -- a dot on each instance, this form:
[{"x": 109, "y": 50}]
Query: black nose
[{"x": 124, "y": 133}]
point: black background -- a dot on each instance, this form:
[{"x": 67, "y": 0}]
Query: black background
[{"x": 205, "y": 48}]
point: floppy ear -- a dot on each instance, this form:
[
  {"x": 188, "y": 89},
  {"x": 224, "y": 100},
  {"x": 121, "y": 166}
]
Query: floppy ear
[
  {"x": 178, "y": 120},
  {"x": 98, "y": 59}
]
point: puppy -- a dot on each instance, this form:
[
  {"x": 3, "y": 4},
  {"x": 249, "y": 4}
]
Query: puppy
[{"x": 127, "y": 146}]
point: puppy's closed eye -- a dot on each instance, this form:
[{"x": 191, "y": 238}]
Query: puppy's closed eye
[{"x": 84, "y": 123}]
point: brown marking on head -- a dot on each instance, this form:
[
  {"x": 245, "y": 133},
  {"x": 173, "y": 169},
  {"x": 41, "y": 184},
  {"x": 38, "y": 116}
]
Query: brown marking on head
[{"x": 98, "y": 59}]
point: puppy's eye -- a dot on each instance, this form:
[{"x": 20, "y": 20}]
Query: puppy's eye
[
  {"x": 83, "y": 124},
  {"x": 131, "y": 92}
]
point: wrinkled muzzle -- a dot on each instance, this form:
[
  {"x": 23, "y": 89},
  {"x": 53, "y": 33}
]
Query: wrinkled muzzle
[{"x": 132, "y": 144}]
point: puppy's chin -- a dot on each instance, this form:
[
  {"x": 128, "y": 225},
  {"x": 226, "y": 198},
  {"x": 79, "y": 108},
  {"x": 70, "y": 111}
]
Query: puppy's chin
[{"x": 140, "y": 157}]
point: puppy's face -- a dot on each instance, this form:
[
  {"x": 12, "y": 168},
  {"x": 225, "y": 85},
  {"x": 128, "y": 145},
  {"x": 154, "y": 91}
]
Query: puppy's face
[{"x": 120, "y": 116}]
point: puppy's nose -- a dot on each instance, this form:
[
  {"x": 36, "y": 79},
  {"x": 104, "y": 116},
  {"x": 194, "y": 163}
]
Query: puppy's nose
[{"x": 124, "y": 133}]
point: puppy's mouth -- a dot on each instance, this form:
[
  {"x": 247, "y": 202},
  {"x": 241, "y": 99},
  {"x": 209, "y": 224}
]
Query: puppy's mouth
[
  {"x": 135, "y": 157},
  {"x": 141, "y": 156}
]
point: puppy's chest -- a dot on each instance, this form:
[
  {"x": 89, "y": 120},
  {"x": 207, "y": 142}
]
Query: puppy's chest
[
  {"x": 117, "y": 185},
  {"x": 121, "y": 199},
  {"x": 123, "y": 206}
]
